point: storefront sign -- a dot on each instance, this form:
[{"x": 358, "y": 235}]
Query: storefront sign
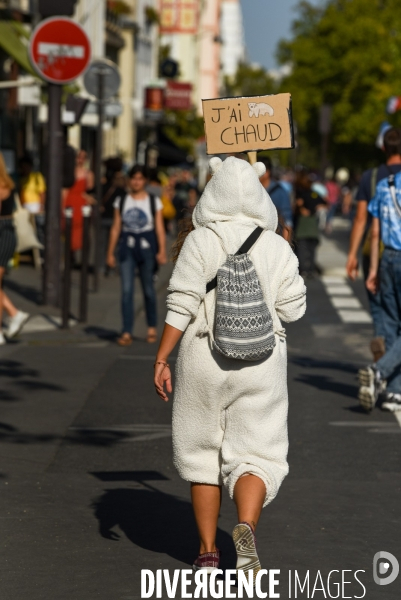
[{"x": 177, "y": 96}]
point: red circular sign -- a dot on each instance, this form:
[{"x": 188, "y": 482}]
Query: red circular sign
[{"x": 59, "y": 50}]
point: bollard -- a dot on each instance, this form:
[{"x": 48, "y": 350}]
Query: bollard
[
  {"x": 68, "y": 213},
  {"x": 83, "y": 297}
]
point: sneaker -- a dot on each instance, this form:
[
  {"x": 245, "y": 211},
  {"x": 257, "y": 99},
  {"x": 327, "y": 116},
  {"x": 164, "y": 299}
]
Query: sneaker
[
  {"x": 245, "y": 545},
  {"x": 208, "y": 562},
  {"x": 392, "y": 402},
  {"x": 15, "y": 324},
  {"x": 370, "y": 386},
  {"x": 2, "y": 339}
]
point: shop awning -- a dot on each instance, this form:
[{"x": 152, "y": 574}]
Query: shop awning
[{"x": 10, "y": 41}]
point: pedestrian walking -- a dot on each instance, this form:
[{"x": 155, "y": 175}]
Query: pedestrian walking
[
  {"x": 8, "y": 244},
  {"x": 279, "y": 196},
  {"x": 231, "y": 398},
  {"x": 385, "y": 209},
  {"x": 78, "y": 196},
  {"x": 307, "y": 235},
  {"x": 114, "y": 188},
  {"x": 33, "y": 194},
  {"x": 361, "y": 230},
  {"x": 139, "y": 230}
]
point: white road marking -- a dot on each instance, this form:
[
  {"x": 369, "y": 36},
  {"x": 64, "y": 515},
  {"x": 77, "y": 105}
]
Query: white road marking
[
  {"x": 348, "y": 309},
  {"x": 341, "y": 302},
  {"x": 354, "y": 316},
  {"x": 339, "y": 290},
  {"x": 370, "y": 426},
  {"x": 359, "y": 424}
]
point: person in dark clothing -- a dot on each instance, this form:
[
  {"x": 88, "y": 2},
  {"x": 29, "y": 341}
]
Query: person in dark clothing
[
  {"x": 306, "y": 226},
  {"x": 113, "y": 189}
]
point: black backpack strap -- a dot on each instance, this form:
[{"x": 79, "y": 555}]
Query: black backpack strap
[
  {"x": 246, "y": 246},
  {"x": 152, "y": 198},
  {"x": 122, "y": 202},
  {"x": 250, "y": 241}
]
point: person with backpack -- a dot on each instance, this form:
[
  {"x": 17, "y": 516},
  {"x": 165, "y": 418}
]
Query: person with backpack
[
  {"x": 385, "y": 209},
  {"x": 361, "y": 230},
  {"x": 138, "y": 228},
  {"x": 234, "y": 280},
  {"x": 280, "y": 198}
]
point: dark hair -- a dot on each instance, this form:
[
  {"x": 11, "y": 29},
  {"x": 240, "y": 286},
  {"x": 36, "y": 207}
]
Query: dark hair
[
  {"x": 267, "y": 162},
  {"x": 26, "y": 160},
  {"x": 392, "y": 142},
  {"x": 138, "y": 169},
  {"x": 302, "y": 180},
  {"x": 154, "y": 175},
  {"x": 114, "y": 164}
]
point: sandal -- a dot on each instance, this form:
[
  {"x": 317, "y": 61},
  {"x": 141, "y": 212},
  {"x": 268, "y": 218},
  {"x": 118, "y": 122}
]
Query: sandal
[
  {"x": 151, "y": 338},
  {"x": 125, "y": 339}
]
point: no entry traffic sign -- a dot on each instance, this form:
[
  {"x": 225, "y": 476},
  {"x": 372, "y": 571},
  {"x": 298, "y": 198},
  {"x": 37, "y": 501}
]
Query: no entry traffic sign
[{"x": 59, "y": 50}]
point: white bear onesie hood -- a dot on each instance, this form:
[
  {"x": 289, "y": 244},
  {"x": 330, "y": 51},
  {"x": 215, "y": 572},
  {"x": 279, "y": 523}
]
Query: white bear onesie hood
[{"x": 230, "y": 416}]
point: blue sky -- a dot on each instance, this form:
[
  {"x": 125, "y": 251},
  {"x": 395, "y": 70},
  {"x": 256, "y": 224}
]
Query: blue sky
[{"x": 266, "y": 22}]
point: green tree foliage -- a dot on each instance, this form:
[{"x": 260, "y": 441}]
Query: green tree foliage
[
  {"x": 183, "y": 128},
  {"x": 346, "y": 53},
  {"x": 249, "y": 81}
]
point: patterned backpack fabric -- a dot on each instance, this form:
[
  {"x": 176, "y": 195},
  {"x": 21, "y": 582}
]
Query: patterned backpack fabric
[{"x": 244, "y": 326}]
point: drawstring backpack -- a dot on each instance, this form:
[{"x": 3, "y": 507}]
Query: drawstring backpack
[{"x": 244, "y": 326}]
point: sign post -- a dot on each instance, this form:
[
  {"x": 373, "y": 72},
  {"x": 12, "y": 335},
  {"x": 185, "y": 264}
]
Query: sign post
[
  {"x": 102, "y": 80},
  {"x": 59, "y": 51},
  {"x": 248, "y": 124}
]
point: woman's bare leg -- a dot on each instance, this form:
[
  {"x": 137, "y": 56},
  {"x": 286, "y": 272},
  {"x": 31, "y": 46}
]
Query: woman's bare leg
[
  {"x": 8, "y": 305},
  {"x": 206, "y": 502},
  {"x": 249, "y": 497}
]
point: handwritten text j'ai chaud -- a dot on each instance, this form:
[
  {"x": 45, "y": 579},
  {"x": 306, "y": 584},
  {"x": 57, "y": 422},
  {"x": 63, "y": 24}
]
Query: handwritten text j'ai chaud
[{"x": 247, "y": 124}]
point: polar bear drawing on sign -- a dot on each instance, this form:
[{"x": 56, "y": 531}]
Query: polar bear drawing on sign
[{"x": 262, "y": 108}]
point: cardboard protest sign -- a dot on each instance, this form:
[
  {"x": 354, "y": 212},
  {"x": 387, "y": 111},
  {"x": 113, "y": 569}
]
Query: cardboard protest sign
[{"x": 248, "y": 124}]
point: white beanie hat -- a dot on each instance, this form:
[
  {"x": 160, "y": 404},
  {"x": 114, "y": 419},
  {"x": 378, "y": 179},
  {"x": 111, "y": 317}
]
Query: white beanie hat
[{"x": 235, "y": 194}]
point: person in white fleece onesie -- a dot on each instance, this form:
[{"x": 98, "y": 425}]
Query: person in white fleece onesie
[{"x": 229, "y": 416}]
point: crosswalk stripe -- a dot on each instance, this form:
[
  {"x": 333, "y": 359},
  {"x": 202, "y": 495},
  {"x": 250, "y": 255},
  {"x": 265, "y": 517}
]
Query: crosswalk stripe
[{"x": 348, "y": 307}]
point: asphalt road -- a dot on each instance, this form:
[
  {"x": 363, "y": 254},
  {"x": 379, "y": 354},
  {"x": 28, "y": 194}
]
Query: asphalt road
[{"x": 90, "y": 496}]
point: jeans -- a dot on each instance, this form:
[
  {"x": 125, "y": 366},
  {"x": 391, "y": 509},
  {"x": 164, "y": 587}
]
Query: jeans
[
  {"x": 375, "y": 302},
  {"x": 390, "y": 286},
  {"x": 146, "y": 271}
]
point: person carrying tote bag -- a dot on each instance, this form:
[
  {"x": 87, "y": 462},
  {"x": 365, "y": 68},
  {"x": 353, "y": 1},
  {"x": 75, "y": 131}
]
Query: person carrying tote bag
[{"x": 26, "y": 236}]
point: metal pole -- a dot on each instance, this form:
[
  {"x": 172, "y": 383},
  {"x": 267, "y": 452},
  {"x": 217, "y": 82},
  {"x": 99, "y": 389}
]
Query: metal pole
[
  {"x": 68, "y": 213},
  {"x": 51, "y": 272},
  {"x": 98, "y": 179},
  {"x": 83, "y": 296}
]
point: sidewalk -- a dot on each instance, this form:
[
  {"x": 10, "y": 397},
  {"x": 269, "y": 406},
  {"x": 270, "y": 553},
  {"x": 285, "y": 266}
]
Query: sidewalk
[{"x": 23, "y": 285}]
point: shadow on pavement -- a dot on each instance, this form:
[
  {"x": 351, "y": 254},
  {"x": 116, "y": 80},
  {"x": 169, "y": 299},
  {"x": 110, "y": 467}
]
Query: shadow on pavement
[
  {"x": 313, "y": 363},
  {"x": 155, "y": 521},
  {"x": 26, "y": 291},
  {"x": 101, "y": 332},
  {"x": 327, "y": 384}
]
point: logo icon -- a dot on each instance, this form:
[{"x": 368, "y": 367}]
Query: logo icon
[{"x": 385, "y": 563}]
